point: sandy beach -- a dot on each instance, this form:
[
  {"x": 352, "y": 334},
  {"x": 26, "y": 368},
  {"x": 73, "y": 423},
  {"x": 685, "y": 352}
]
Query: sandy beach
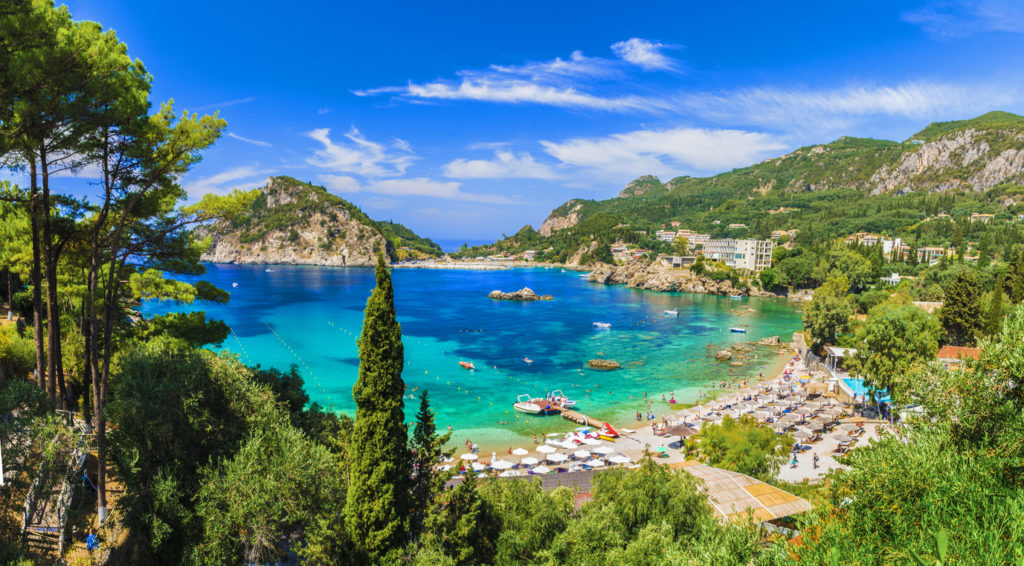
[{"x": 825, "y": 424}]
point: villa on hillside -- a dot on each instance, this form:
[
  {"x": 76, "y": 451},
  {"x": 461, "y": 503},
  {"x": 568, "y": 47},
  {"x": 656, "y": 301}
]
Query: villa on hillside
[
  {"x": 931, "y": 255},
  {"x": 984, "y": 218},
  {"x": 954, "y": 356}
]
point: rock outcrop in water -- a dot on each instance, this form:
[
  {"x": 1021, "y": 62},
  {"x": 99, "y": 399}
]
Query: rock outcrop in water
[
  {"x": 524, "y": 294},
  {"x": 603, "y": 364}
]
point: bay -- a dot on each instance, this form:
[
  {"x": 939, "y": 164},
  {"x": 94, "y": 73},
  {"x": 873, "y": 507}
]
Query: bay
[{"x": 311, "y": 317}]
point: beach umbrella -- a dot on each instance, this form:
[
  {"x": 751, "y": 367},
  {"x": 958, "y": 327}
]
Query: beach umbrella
[
  {"x": 848, "y": 427},
  {"x": 818, "y": 423},
  {"x": 477, "y": 466},
  {"x": 510, "y": 474},
  {"x": 444, "y": 467},
  {"x": 842, "y": 438},
  {"x": 595, "y": 463},
  {"x": 469, "y": 456},
  {"x": 520, "y": 452},
  {"x": 501, "y": 464},
  {"x": 802, "y": 435},
  {"x": 619, "y": 459},
  {"x": 546, "y": 449},
  {"x": 592, "y": 442},
  {"x": 531, "y": 461},
  {"x": 790, "y": 418},
  {"x": 557, "y": 457},
  {"x": 482, "y": 475},
  {"x": 661, "y": 449},
  {"x": 682, "y": 431},
  {"x": 711, "y": 418},
  {"x": 833, "y": 412},
  {"x": 603, "y": 450},
  {"x": 542, "y": 470},
  {"x": 779, "y": 427},
  {"x": 813, "y": 405},
  {"x": 581, "y": 454}
]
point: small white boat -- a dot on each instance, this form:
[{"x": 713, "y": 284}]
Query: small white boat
[
  {"x": 234, "y": 284},
  {"x": 738, "y": 330},
  {"x": 524, "y": 404},
  {"x": 268, "y": 270},
  {"x": 602, "y": 325},
  {"x": 561, "y": 399},
  {"x": 672, "y": 312},
  {"x": 735, "y": 296}
]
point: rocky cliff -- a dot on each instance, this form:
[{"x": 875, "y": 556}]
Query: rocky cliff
[
  {"x": 565, "y": 216},
  {"x": 291, "y": 222},
  {"x": 654, "y": 276}
]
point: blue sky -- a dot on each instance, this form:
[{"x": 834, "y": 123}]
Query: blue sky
[{"x": 475, "y": 118}]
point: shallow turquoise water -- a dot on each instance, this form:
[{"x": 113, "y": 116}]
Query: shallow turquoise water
[{"x": 311, "y": 316}]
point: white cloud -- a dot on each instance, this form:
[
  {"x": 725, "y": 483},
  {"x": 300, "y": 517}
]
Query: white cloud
[
  {"x": 560, "y": 82},
  {"x": 340, "y": 183},
  {"x": 644, "y": 54},
  {"x": 506, "y": 164},
  {"x": 244, "y": 177},
  {"x": 412, "y": 187},
  {"x": 248, "y": 140},
  {"x": 962, "y": 18},
  {"x": 360, "y": 155},
  {"x": 665, "y": 152},
  {"x": 225, "y": 104},
  {"x": 829, "y": 110}
]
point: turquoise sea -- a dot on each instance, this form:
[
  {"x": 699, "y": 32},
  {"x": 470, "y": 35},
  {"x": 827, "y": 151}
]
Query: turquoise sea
[{"x": 311, "y": 317}]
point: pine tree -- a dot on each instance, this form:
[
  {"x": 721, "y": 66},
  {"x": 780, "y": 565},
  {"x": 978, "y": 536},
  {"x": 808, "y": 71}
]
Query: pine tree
[
  {"x": 427, "y": 450},
  {"x": 1014, "y": 278},
  {"x": 377, "y": 503},
  {"x": 994, "y": 316},
  {"x": 961, "y": 312},
  {"x": 463, "y": 525},
  {"x": 985, "y": 253}
]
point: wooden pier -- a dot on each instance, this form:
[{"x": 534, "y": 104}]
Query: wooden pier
[{"x": 574, "y": 416}]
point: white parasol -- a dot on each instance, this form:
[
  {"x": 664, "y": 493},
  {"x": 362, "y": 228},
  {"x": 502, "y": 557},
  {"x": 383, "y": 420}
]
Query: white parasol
[
  {"x": 520, "y": 451},
  {"x": 469, "y": 456}
]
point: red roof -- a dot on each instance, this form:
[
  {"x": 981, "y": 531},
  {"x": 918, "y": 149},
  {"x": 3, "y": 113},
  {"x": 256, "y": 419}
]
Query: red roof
[{"x": 958, "y": 353}]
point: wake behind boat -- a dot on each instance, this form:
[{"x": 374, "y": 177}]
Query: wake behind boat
[{"x": 602, "y": 325}]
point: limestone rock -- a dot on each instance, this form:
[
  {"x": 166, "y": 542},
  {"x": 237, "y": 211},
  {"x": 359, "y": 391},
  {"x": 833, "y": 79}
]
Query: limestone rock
[
  {"x": 770, "y": 341},
  {"x": 603, "y": 364},
  {"x": 524, "y": 294},
  {"x": 655, "y": 276},
  {"x": 723, "y": 355}
]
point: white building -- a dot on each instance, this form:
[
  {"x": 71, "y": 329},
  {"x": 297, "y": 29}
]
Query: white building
[{"x": 752, "y": 255}]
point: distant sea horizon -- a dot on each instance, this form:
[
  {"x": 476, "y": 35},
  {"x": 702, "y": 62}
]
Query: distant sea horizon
[{"x": 453, "y": 244}]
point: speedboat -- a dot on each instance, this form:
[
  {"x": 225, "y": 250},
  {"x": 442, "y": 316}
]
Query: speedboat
[
  {"x": 602, "y": 325},
  {"x": 528, "y": 360},
  {"x": 524, "y": 404},
  {"x": 467, "y": 365},
  {"x": 234, "y": 284},
  {"x": 738, "y": 330},
  {"x": 672, "y": 312},
  {"x": 561, "y": 399}
]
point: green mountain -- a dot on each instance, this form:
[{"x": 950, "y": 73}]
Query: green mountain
[
  {"x": 824, "y": 191},
  {"x": 291, "y": 222}
]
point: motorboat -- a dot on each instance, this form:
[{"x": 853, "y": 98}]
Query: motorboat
[
  {"x": 672, "y": 312},
  {"x": 738, "y": 330},
  {"x": 528, "y": 360},
  {"x": 602, "y": 325},
  {"x": 467, "y": 365},
  {"x": 561, "y": 399},
  {"x": 524, "y": 404},
  {"x": 234, "y": 284},
  {"x": 735, "y": 296}
]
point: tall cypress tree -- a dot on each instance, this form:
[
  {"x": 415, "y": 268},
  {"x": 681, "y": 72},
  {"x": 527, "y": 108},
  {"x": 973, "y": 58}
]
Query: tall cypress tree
[
  {"x": 427, "y": 449},
  {"x": 961, "y": 311},
  {"x": 994, "y": 316},
  {"x": 377, "y": 504}
]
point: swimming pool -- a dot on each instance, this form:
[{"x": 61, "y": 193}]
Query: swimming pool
[{"x": 856, "y": 386}]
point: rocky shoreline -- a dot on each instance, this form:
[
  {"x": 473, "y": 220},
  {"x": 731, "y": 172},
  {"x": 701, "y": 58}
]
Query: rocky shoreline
[{"x": 654, "y": 276}]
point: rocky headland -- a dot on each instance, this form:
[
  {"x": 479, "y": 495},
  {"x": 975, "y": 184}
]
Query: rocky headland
[{"x": 655, "y": 276}]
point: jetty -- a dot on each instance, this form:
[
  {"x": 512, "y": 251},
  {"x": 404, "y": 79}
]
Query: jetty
[{"x": 570, "y": 414}]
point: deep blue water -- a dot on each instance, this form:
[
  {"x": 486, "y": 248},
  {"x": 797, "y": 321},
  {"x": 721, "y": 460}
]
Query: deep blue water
[{"x": 311, "y": 316}]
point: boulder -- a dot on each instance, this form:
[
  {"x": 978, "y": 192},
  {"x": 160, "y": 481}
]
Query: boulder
[
  {"x": 723, "y": 355},
  {"x": 770, "y": 341},
  {"x": 603, "y": 364}
]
